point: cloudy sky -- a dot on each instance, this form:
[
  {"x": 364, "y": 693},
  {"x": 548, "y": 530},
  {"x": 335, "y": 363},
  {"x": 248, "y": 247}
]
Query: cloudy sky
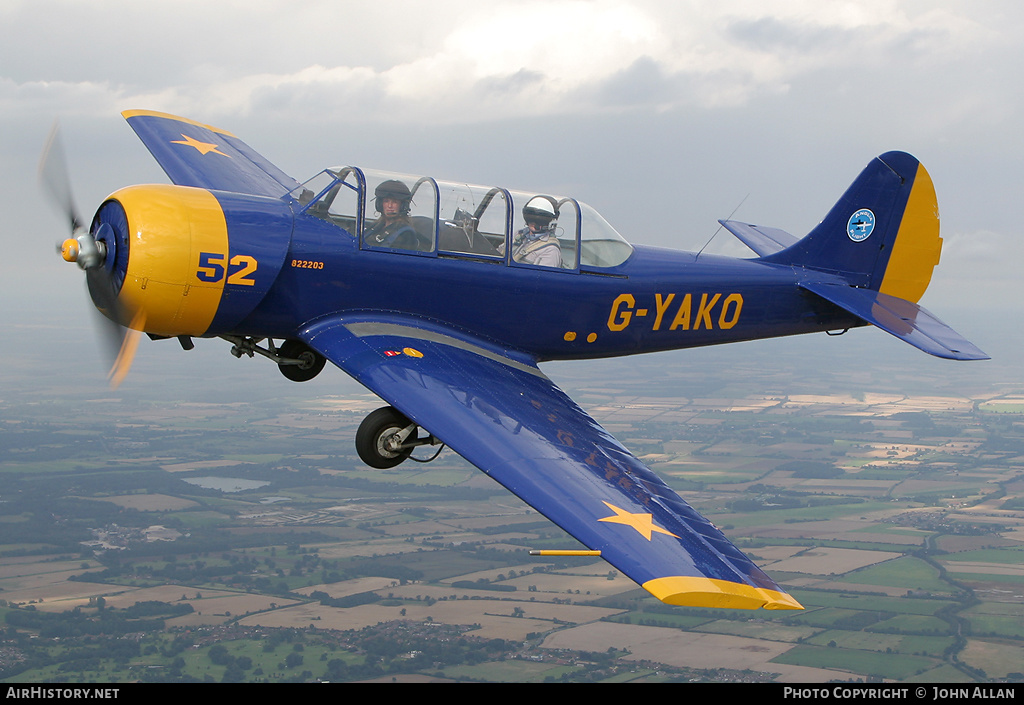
[{"x": 664, "y": 115}]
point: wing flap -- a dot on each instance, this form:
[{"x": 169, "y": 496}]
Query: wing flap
[
  {"x": 502, "y": 414},
  {"x": 904, "y": 319},
  {"x": 203, "y": 156}
]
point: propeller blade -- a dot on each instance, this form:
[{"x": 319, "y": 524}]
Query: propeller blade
[
  {"x": 125, "y": 356},
  {"x": 53, "y": 172},
  {"x": 83, "y": 248},
  {"x": 120, "y": 342}
]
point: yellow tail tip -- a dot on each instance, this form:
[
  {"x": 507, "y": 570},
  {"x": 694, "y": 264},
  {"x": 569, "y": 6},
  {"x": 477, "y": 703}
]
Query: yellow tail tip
[{"x": 917, "y": 248}]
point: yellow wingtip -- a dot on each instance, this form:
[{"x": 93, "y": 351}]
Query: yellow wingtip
[
  {"x": 719, "y": 594},
  {"x": 126, "y": 114}
]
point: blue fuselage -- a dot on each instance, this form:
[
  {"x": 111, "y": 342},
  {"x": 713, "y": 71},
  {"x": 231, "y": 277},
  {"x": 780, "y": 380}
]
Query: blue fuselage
[{"x": 658, "y": 299}]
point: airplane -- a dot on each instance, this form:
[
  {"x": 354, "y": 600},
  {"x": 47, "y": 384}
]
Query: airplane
[{"x": 435, "y": 296}]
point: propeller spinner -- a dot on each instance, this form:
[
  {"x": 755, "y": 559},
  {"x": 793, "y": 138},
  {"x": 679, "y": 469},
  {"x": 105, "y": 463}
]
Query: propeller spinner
[{"x": 94, "y": 250}]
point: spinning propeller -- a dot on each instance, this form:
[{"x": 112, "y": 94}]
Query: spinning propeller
[{"x": 94, "y": 250}]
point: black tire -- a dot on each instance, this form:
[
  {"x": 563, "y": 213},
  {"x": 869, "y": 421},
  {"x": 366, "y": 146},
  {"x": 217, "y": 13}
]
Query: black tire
[
  {"x": 311, "y": 365},
  {"x": 372, "y": 434}
]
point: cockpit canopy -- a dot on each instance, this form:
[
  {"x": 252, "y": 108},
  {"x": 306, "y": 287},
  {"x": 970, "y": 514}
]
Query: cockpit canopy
[{"x": 430, "y": 217}]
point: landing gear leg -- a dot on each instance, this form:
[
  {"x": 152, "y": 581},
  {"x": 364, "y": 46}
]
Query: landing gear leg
[
  {"x": 386, "y": 438},
  {"x": 296, "y": 360},
  {"x": 299, "y": 362}
]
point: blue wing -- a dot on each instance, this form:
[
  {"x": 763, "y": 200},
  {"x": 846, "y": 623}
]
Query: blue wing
[
  {"x": 501, "y": 413},
  {"x": 194, "y": 154}
]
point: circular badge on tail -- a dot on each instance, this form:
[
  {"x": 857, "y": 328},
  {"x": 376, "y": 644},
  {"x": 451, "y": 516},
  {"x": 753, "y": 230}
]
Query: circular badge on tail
[{"x": 860, "y": 225}]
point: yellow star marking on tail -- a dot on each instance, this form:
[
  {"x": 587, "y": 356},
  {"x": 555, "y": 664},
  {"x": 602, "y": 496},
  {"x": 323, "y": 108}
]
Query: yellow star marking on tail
[
  {"x": 641, "y": 522},
  {"x": 203, "y": 147}
]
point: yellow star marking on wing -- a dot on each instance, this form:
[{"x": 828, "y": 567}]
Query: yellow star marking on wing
[
  {"x": 203, "y": 147},
  {"x": 643, "y": 523}
]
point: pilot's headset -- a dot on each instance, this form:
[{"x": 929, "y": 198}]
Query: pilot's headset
[
  {"x": 393, "y": 189},
  {"x": 541, "y": 211}
]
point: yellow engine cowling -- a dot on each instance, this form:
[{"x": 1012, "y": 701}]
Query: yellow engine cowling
[{"x": 174, "y": 259}]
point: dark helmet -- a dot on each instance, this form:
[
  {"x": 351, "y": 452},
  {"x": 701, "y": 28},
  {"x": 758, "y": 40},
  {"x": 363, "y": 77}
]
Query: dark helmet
[
  {"x": 540, "y": 210},
  {"x": 393, "y": 189}
]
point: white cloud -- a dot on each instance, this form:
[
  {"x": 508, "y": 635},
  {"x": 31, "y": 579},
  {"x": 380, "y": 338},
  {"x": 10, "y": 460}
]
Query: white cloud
[{"x": 461, "y": 62}]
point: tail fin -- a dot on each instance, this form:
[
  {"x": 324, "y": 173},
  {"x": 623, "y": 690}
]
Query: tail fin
[
  {"x": 882, "y": 239},
  {"x": 883, "y": 234}
]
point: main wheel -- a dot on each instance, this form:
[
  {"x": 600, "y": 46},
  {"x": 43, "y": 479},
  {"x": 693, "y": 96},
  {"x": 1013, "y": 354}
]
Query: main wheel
[
  {"x": 310, "y": 361},
  {"x": 376, "y": 439}
]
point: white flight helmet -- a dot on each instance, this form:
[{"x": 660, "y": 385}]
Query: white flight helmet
[{"x": 541, "y": 211}]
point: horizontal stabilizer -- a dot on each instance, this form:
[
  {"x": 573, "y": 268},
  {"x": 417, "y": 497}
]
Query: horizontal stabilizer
[
  {"x": 902, "y": 318},
  {"x": 764, "y": 241}
]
